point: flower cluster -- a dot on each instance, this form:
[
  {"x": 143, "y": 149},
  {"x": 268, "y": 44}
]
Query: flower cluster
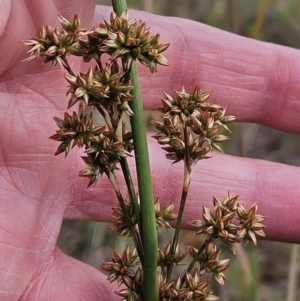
[
  {"x": 208, "y": 259},
  {"x": 122, "y": 268},
  {"x": 189, "y": 288},
  {"x": 131, "y": 40},
  {"x": 102, "y": 149},
  {"x": 104, "y": 88},
  {"x": 75, "y": 130},
  {"x": 191, "y": 111},
  {"x": 219, "y": 223},
  {"x": 134, "y": 287},
  {"x": 102, "y": 156},
  {"x": 165, "y": 256},
  {"x": 121, "y": 227},
  {"x": 55, "y": 44},
  {"x": 122, "y": 37},
  {"x": 250, "y": 223},
  {"x": 107, "y": 89}
]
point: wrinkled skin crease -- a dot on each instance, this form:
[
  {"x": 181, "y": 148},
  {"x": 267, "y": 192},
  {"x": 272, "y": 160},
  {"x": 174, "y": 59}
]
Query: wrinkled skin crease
[{"x": 37, "y": 190}]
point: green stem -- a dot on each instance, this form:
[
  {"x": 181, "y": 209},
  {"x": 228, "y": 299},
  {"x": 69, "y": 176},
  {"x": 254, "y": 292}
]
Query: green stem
[
  {"x": 119, "y": 6},
  {"x": 195, "y": 259},
  {"x": 178, "y": 222},
  {"x": 148, "y": 220},
  {"x": 185, "y": 189},
  {"x": 131, "y": 190},
  {"x": 149, "y": 231}
]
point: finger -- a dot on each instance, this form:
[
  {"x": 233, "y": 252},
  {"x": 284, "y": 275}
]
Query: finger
[
  {"x": 274, "y": 186},
  {"x": 258, "y": 82},
  {"x": 4, "y": 13},
  {"x": 47, "y": 11}
]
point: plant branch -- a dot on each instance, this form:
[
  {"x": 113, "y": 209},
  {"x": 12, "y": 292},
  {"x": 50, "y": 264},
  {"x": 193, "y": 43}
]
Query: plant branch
[
  {"x": 134, "y": 235},
  {"x": 131, "y": 191},
  {"x": 195, "y": 259},
  {"x": 185, "y": 188},
  {"x": 67, "y": 67}
]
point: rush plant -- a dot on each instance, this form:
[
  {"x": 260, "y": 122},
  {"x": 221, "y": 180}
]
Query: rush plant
[{"x": 190, "y": 128}]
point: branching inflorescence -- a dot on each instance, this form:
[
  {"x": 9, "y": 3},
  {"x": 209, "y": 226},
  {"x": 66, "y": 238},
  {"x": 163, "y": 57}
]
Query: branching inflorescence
[{"x": 189, "y": 130}]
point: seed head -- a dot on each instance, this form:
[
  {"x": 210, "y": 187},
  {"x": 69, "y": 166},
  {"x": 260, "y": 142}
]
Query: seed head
[
  {"x": 202, "y": 119},
  {"x": 131, "y": 40},
  {"x": 75, "y": 130},
  {"x": 165, "y": 257},
  {"x": 120, "y": 225},
  {"x": 100, "y": 88},
  {"x": 103, "y": 155},
  {"x": 55, "y": 44},
  {"x": 196, "y": 289},
  {"x": 250, "y": 224},
  {"x": 219, "y": 223},
  {"x": 121, "y": 266},
  {"x": 164, "y": 216}
]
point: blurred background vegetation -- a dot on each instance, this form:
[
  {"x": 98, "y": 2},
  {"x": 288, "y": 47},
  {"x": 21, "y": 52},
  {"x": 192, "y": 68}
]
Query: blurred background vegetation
[{"x": 270, "y": 271}]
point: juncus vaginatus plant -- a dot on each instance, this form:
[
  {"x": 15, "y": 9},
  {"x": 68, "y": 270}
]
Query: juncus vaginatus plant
[{"x": 191, "y": 127}]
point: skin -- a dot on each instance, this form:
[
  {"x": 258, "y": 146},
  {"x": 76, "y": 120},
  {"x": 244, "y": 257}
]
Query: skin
[{"x": 256, "y": 81}]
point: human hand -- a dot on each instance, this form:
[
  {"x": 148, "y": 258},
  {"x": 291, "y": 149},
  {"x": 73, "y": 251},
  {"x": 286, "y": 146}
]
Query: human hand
[{"x": 37, "y": 190}]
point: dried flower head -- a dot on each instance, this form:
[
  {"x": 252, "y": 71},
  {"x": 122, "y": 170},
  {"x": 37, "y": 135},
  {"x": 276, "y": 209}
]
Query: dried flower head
[
  {"x": 221, "y": 222},
  {"x": 196, "y": 289},
  {"x": 168, "y": 290},
  {"x": 103, "y": 155},
  {"x": 202, "y": 120},
  {"x": 103, "y": 151},
  {"x": 75, "y": 130},
  {"x": 250, "y": 223},
  {"x": 120, "y": 225},
  {"x": 133, "y": 290},
  {"x": 184, "y": 104},
  {"x": 131, "y": 40},
  {"x": 165, "y": 257},
  {"x": 229, "y": 203},
  {"x": 101, "y": 88},
  {"x": 209, "y": 261},
  {"x": 121, "y": 267},
  {"x": 164, "y": 216},
  {"x": 55, "y": 44}
]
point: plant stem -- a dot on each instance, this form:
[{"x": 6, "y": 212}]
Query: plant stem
[
  {"x": 119, "y": 6},
  {"x": 135, "y": 237},
  {"x": 148, "y": 220},
  {"x": 67, "y": 67},
  {"x": 195, "y": 259},
  {"x": 149, "y": 231},
  {"x": 126, "y": 173},
  {"x": 132, "y": 194},
  {"x": 185, "y": 188},
  {"x": 178, "y": 222}
]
